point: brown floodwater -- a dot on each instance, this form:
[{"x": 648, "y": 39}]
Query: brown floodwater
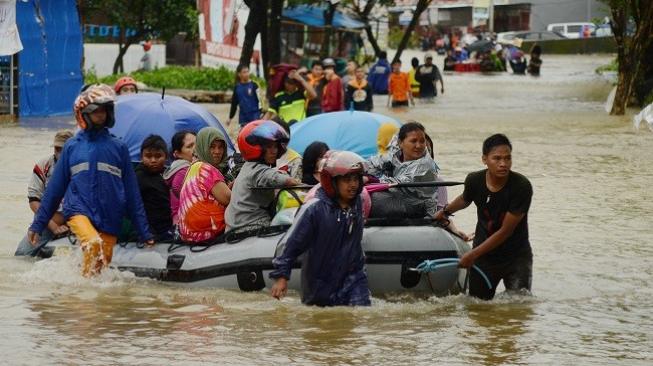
[{"x": 590, "y": 226}]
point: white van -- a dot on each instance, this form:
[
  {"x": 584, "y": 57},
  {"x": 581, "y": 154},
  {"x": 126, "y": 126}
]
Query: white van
[{"x": 571, "y": 30}]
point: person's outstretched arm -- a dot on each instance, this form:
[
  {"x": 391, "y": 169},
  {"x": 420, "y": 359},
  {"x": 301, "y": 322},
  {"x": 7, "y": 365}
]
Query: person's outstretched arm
[
  {"x": 510, "y": 222},
  {"x": 53, "y": 195},
  {"x": 439, "y": 77},
  {"x": 234, "y": 106},
  {"x": 299, "y": 238},
  {"x": 310, "y": 91},
  {"x": 457, "y": 204},
  {"x": 275, "y": 178}
]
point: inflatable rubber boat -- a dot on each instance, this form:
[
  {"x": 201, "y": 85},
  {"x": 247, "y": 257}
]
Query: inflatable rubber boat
[{"x": 393, "y": 249}]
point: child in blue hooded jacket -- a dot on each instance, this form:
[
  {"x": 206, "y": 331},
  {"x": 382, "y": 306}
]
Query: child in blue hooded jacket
[
  {"x": 328, "y": 231},
  {"x": 244, "y": 97}
]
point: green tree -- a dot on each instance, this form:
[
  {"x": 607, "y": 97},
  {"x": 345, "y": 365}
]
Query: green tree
[
  {"x": 632, "y": 48},
  {"x": 363, "y": 9},
  {"x": 256, "y": 20},
  {"x": 161, "y": 19},
  {"x": 419, "y": 9}
]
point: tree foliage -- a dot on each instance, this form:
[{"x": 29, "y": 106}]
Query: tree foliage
[
  {"x": 421, "y": 6},
  {"x": 632, "y": 49},
  {"x": 160, "y": 19},
  {"x": 363, "y": 9}
]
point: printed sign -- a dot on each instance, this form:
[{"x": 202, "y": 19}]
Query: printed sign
[
  {"x": 10, "y": 43},
  {"x": 222, "y": 31}
]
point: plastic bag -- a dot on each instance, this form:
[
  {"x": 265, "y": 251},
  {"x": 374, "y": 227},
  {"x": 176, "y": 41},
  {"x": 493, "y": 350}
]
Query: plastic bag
[{"x": 394, "y": 204}]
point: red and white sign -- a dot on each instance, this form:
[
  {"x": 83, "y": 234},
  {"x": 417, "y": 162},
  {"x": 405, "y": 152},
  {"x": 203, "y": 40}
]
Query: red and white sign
[{"x": 222, "y": 31}]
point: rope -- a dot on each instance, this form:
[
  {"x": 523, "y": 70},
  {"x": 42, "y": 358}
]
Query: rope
[{"x": 429, "y": 265}]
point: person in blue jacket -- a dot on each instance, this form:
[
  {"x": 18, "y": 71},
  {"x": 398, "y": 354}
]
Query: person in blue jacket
[
  {"x": 379, "y": 74},
  {"x": 244, "y": 97},
  {"x": 95, "y": 178},
  {"x": 328, "y": 231}
]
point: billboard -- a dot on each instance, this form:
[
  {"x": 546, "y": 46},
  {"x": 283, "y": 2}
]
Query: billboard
[{"x": 222, "y": 32}]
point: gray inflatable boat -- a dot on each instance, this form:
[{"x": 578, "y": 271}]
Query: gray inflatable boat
[{"x": 393, "y": 249}]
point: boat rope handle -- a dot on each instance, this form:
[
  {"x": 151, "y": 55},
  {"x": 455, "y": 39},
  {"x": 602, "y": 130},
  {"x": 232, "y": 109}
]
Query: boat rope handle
[{"x": 430, "y": 265}]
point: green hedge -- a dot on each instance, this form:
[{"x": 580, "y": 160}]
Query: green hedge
[{"x": 178, "y": 77}]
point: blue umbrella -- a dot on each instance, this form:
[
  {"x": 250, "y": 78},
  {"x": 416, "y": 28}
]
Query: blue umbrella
[
  {"x": 143, "y": 114},
  {"x": 348, "y": 130}
]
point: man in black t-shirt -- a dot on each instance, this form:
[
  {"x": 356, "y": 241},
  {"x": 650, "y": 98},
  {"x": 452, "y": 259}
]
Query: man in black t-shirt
[
  {"x": 428, "y": 75},
  {"x": 502, "y": 198}
]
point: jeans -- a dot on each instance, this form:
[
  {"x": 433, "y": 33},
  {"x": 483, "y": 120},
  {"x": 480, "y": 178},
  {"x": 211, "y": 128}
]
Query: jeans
[
  {"x": 516, "y": 273},
  {"x": 25, "y": 248}
]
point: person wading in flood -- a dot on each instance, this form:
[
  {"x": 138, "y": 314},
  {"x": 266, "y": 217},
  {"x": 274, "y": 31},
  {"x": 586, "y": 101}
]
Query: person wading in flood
[
  {"x": 328, "y": 233},
  {"x": 501, "y": 245},
  {"x": 41, "y": 174},
  {"x": 95, "y": 178}
]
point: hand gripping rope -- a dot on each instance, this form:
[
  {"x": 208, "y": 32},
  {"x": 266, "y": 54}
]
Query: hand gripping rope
[{"x": 430, "y": 265}]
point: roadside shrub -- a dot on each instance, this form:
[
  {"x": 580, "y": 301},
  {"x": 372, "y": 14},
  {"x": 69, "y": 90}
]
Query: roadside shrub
[{"x": 179, "y": 77}]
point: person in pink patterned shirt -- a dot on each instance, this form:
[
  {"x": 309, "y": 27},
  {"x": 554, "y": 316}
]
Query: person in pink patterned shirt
[{"x": 205, "y": 195}]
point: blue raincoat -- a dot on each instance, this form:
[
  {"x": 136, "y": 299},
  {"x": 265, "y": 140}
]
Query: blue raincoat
[
  {"x": 95, "y": 178},
  {"x": 378, "y": 76},
  {"x": 333, "y": 264}
]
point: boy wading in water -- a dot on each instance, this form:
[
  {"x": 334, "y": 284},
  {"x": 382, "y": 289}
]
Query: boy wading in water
[
  {"x": 244, "y": 97},
  {"x": 328, "y": 232},
  {"x": 502, "y": 198},
  {"x": 97, "y": 182},
  {"x": 399, "y": 87}
]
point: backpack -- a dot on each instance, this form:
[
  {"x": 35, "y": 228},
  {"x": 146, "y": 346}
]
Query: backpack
[{"x": 275, "y": 80}]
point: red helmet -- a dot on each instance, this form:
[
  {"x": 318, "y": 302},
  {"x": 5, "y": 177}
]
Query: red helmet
[
  {"x": 256, "y": 134},
  {"x": 95, "y": 96},
  {"x": 124, "y": 81},
  {"x": 339, "y": 163}
]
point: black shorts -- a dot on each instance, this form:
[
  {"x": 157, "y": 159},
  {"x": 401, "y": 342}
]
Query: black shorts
[
  {"x": 399, "y": 104},
  {"x": 516, "y": 273}
]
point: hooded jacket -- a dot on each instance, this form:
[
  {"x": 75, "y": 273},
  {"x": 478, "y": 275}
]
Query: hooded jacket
[
  {"x": 333, "y": 262},
  {"x": 378, "y": 76},
  {"x": 95, "y": 178}
]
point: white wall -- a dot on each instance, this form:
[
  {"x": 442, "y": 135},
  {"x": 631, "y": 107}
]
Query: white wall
[{"x": 101, "y": 56}]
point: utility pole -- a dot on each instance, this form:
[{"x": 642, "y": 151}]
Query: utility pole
[
  {"x": 491, "y": 17},
  {"x": 589, "y": 10}
]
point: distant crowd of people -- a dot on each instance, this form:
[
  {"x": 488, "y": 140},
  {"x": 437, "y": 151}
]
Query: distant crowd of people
[{"x": 297, "y": 92}]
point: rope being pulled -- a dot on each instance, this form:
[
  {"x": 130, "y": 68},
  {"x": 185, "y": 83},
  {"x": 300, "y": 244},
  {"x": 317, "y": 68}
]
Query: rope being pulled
[{"x": 430, "y": 265}]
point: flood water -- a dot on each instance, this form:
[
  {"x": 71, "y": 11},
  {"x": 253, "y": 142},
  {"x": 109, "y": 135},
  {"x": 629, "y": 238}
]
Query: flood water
[{"x": 590, "y": 226}]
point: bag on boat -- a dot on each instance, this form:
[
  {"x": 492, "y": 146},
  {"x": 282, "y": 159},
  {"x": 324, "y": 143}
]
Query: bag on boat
[
  {"x": 277, "y": 73},
  {"x": 394, "y": 204}
]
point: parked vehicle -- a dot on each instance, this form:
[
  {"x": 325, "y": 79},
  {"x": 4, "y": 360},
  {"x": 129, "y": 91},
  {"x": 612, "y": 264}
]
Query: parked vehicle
[
  {"x": 508, "y": 37},
  {"x": 573, "y": 30},
  {"x": 505, "y": 37}
]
